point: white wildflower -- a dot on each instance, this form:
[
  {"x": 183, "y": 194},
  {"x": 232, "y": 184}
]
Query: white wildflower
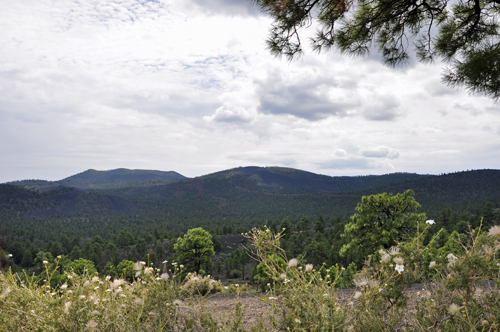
[
  {"x": 488, "y": 250},
  {"x": 92, "y": 324},
  {"x": 309, "y": 267},
  {"x": 292, "y": 262},
  {"x": 432, "y": 264},
  {"x": 399, "y": 268},
  {"x": 385, "y": 258},
  {"x": 494, "y": 231},
  {"x": 454, "y": 309},
  {"x": 452, "y": 259},
  {"x": 117, "y": 283},
  {"x": 373, "y": 283},
  {"x": 398, "y": 260},
  {"x": 393, "y": 251},
  {"x": 361, "y": 281},
  {"x": 66, "y": 306},
  {"x": 430, "y": 222}
]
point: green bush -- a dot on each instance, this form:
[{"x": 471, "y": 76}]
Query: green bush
[{"x": 195, "y": 284}]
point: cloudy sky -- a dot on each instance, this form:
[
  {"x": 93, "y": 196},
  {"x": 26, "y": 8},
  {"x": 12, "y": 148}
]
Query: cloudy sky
[{"x": 188, "y": 85}]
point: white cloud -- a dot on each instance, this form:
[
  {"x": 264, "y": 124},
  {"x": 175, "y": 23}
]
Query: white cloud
[{"x": 232, "y": 114}]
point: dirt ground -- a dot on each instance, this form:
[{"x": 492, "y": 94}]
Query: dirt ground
[{"x": 256, "y": 308}]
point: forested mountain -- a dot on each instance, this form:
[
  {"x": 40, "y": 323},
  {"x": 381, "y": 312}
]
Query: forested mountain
[
  {"x": 289, "y": 180},
  {"x": 263, "y": 193},
  {"x": 117, "y": 178}
]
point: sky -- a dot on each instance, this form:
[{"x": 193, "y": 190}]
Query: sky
[{"x": 189, "y": 86}]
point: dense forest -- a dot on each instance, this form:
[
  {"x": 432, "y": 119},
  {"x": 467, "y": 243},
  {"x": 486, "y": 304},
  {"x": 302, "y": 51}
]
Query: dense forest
[{"x": 107, "y": 218}]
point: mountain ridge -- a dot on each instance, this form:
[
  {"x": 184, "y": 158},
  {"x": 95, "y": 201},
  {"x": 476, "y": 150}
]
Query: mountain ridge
[
  {"x": 243, "y": 192},
  {"x": 94, "y": 179}
]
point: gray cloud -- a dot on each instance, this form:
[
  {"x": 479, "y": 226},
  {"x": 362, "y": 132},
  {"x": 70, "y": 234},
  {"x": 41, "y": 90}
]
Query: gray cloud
[
  {"x": 228, "y": 7},
  {"x": 468, "y": 108},
  {"x": 383, "y": 108},
  {"x": 381, "y": 152},
  {"x": 341, "y": 153},
  {"x": 311, "y": 98}
]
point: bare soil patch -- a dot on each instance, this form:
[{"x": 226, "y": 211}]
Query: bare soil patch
[{"x": 256, "y": 308}]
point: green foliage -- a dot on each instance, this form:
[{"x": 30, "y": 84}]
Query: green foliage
[
  {"x": 126, "y": 270},
  {"x": 195, "y": 248},
  {"x": 81, "y": 266},
  {"x": 381, "y": 221},
  {"x": 264, "y": 276},
  {"x": 320, "y": 225},
  {"x": 286, "y": 228}
]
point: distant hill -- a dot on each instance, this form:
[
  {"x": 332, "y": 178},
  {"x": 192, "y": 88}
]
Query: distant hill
[
  {"x": 257, "y": 193},
  {"x": 112, "y": 179},
  {"x": 282, "y": 179}
]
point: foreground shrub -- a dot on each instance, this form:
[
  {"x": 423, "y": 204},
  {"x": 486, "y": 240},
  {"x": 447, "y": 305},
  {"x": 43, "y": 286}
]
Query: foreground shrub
[
  {"x": 461, "y": 294},
  {"x": 301, "y": 298},
  {"x": 198, "y": 285},
  {"x": 90, "y": 303}
]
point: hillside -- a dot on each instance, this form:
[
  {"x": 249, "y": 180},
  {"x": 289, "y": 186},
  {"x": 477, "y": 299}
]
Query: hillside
[
  {"x": 92, "y": 179},
  {"x": 61, "y": 201},
  {"x": 289, "y": 180},
  {"x": 99, "y": 180},
  {"x": 243, "y": 193}
]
